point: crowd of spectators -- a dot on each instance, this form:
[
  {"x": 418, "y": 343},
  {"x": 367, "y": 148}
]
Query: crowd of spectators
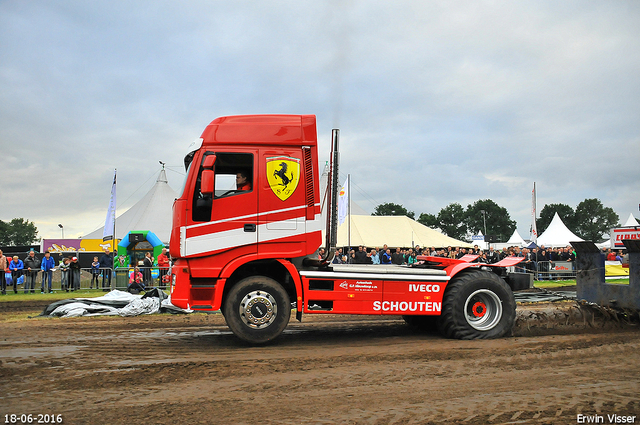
[
  {"x": 612, "y": 255},
  {"x": 400, "y": 256},
  {"x": 26, "y": 271},
  {"x": 540, "y": 261}
]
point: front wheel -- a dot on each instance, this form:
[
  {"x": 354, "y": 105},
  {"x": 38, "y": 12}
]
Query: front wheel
[
  {"x": 257, "y": 309},
  {"x": 477, "y": 305}
]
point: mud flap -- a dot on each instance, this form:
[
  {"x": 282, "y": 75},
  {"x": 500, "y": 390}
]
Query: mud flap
[{"x": 519, "y": 281}]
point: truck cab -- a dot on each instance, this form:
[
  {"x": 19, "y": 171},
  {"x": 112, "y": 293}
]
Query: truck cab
[{"x": 249, "y": 198}]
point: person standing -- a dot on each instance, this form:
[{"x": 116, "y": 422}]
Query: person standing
[
  {"x": 4, "y": 265},
  {"x": 397, "y": 258},
  {"x": 106, "y": 264},
  {"x": 16, "y": 266},
  {"x": 492, "y": 256},
  {"x": 95, "y": 272},
  {"x": 146, "y": 272},
  {"x": 47, "y": 265},
  {"x": 74, "y": 270},
  {"x": 544, "y": 263},
  {"x": 412, "y": 258},
  {"x": 64, "y": 274},
  {"x": 163, "y": 264},
  {"x": 386, "y": 257},
  {"x": 337, "y": 258},
  {"x": 32, "y": 264},
  {"x": 352, "y": 257},
  {"x": 375, "y": 258},
  {"x": 361, "y": 256}
]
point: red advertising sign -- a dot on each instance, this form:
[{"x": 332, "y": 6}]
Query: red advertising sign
[{"x": 622, "y": 233}]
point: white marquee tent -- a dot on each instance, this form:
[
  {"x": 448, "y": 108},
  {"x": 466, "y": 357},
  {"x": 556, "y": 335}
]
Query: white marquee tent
[
  {"x": 516, "y": 239},
  {"x": 557, "y": 234},
  {"x": 631, "y": 221},
  {"x": 153, "y": 212},
  {"x": 479, "y": 240},
  {"x": 395, "y": 231}
]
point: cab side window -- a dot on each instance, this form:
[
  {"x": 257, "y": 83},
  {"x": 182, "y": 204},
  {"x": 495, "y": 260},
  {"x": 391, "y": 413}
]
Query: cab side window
[{"x": 233, "y": 175}]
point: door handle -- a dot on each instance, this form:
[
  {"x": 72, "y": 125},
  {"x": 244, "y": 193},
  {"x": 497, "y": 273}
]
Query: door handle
[{"x": 249, "y": 227}]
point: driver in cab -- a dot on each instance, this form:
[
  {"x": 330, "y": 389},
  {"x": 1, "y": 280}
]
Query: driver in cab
[{"x": 242, "y": 182}]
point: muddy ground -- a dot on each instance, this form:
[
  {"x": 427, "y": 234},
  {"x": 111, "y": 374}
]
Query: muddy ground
[{"x": 562, "y": 361}]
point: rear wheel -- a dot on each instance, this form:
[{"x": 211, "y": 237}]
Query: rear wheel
[
  {"x": 477, "y": 305},
  {"x": 257, "y": 309}
]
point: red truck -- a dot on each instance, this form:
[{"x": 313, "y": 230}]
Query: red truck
[{"x": 247, "y": 225}]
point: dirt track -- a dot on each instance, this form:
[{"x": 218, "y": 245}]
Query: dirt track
[{"x": 325, "y": 370}]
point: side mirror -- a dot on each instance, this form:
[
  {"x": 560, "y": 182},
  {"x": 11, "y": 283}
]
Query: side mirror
[
  {"x": 209, "y": 161},
  {"x": 206, "y": 183}
]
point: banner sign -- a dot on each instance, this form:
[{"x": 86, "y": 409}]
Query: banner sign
[
  {"x": 561, "y": 267},
  {"x": 615, "y": 268},
  {"x": 621, "y": 233},
  {"x": 534, "y": 229},
  {"x": 110, "y": 222},
  {"x": 75, "y": 245}
]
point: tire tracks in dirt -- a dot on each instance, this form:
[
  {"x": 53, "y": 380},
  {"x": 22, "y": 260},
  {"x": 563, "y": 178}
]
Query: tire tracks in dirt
[{"x": 332, "y": 369}]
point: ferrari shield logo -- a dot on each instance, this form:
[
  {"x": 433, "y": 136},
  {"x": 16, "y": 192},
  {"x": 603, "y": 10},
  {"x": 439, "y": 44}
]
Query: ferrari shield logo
[{"x": 283, "y": 175}]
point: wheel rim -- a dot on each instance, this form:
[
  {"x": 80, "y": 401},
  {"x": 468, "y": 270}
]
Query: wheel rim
[
  {"x": 483, "y": 310},
  {"x": 258, "y": 309}
]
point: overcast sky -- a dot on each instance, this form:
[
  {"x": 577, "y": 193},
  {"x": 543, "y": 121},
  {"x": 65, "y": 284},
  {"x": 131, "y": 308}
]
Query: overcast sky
[{"x": 437, "y": 101}]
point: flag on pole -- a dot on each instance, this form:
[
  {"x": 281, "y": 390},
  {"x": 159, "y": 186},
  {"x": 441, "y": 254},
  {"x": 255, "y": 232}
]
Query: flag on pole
[
  {"x": 343, "y": 202},
  {"x": 110, "y": 222},
  {"x": 534, "y": 230}
]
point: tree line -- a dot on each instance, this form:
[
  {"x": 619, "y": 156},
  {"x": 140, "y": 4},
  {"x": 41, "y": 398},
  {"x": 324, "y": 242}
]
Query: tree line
[
  {"x": 18, "y": 232},
  {"x": 590, "y": 220}
]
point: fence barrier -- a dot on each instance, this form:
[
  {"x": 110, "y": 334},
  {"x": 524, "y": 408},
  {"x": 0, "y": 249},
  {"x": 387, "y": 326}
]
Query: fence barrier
[
  {"x": 105, "y": 279},
  {"x": 548, "y": 270}
]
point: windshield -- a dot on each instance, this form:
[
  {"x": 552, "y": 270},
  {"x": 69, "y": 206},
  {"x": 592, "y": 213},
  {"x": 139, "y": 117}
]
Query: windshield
[
  {"x": 187, "y": 160},
  {"x": 186, "y": 176}
]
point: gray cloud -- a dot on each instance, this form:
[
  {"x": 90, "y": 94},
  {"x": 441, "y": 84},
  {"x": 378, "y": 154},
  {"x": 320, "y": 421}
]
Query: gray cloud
[{"x": 437, "y": 102}]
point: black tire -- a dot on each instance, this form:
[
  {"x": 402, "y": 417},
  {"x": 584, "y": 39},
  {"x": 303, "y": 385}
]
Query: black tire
[
  {"x": 477, "y": 305},
  {"x": 422, "y": 323},
  {"x": 257, "y": 309}
]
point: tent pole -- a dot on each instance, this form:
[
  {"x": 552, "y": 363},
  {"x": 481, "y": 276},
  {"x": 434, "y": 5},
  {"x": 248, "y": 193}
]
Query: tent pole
[
  {"x": 349, "y": 211},
  {"x": 113, "y": 248}
]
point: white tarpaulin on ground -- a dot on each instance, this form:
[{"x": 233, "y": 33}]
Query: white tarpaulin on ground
[{"x": 115, "y": 303}]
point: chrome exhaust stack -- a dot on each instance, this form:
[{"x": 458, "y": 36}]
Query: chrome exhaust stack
[
  {"x": 331, "y": 194},
  {"x": 331, "y": 234}
]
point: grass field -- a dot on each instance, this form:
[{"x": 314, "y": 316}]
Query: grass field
[{"x": 58, "y": 295}]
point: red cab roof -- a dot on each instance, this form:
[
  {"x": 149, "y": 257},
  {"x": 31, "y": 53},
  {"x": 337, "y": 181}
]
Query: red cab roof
[{"x": 293, "y": 130}]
